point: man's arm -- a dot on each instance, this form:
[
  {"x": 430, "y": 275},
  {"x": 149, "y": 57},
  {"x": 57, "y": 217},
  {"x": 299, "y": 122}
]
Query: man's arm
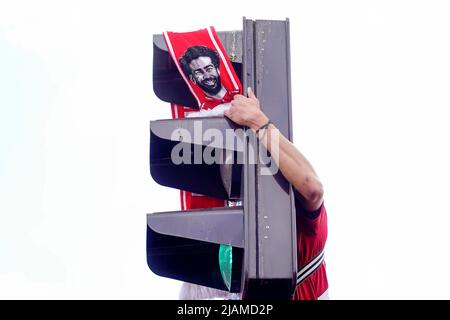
[{"x": 293, "y": 165}]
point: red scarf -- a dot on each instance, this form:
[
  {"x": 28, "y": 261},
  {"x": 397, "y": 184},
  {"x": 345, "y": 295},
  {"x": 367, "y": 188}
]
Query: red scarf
[{"x": 180, "y": 43}]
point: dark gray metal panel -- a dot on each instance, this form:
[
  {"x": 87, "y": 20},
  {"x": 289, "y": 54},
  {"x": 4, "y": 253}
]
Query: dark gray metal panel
[
  {"x": 168, "y": 84},
  {"x": 250, "y": 218},
  {"x": 218, "y": 225},
  {"x": 174, "y": 129},
  {"x": 273, "y": 73},
  {"x": 216, "y": 176},
  {"x": 276, "y": 211},
  {"x": 232, "y": 42},
  {"x": 290, "y": 136},
  {"x": 230, "y": 173}
]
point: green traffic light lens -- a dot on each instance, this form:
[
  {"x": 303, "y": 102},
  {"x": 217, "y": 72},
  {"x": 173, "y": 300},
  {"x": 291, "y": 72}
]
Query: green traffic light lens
[{"x": 226, "y": 263}]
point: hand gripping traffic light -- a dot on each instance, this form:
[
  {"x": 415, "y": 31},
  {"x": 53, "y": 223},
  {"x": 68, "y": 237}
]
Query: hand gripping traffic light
[{"x": 249, "y": 248}]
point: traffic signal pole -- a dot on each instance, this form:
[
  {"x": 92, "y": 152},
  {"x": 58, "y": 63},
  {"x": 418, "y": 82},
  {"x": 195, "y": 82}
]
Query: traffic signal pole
[
  {"x": 270, "y": 242},
  {"x": 183, "y": 245}
]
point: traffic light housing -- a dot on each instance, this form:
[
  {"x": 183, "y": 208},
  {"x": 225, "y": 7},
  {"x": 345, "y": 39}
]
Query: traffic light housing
[{"x": 186, "y": 245}]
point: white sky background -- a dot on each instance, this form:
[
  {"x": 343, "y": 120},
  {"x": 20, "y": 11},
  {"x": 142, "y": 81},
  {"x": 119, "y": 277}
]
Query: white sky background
[{"x": 370, "y": 83}]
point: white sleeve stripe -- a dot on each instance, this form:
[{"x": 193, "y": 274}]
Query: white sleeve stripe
[
  {"x": 302, "y": 277},
  {"x": 310, "y": 267},
  {"x": 224, "y": 61},
  {"x": 312, "y": 262}
]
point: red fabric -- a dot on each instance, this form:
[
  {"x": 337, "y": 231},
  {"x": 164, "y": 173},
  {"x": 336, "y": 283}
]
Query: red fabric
[
  {"x": 311, "y": 237},
  {"x": 178, "y": 43},
  {"x": 210, "y": 103},
  {"x": 191, "y": 200}
]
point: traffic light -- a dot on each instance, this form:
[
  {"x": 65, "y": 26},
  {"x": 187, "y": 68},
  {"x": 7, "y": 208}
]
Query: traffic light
[{"x": 249, "y": 248}]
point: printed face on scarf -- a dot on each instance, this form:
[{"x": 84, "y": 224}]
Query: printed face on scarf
[{"x": 205, "y": 75}]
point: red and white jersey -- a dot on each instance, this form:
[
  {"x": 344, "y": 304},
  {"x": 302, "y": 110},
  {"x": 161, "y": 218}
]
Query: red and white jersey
[{"x": 312, "y": 231}]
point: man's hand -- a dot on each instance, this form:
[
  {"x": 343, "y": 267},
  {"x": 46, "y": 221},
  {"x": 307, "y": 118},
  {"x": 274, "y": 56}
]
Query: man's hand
[{"x": 246, "y": 111}]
